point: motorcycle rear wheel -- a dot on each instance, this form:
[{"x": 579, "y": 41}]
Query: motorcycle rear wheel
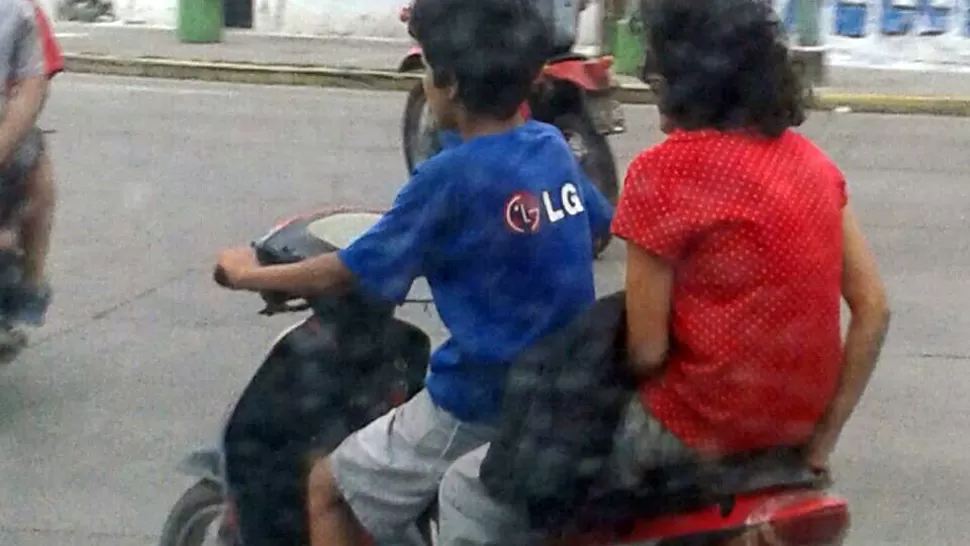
[
  {"x": 192, "y": 518},
  {"x": 595, "y": 158},
  {"x": 419, "y": 134}
]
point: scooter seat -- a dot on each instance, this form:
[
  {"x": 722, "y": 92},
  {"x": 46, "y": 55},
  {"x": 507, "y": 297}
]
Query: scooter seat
[{"x": 686, "y": 487}]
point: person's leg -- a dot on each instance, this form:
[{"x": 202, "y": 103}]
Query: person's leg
[
  {"x": 38, "y": 219},
  {"x": 382, "y": 477},
  {"x": 36, "y": 229},
  {"x": 31, "y": 167},
  {"x": 469, "y": 516},
  {"x": 641, "y": 444},
  {"x": 331, "y": 520}
]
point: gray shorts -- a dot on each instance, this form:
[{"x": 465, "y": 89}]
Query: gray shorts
[
  {"x": 24, "y": 159},
  {"x": 389, "y": 471},
  {"x": 470, "y": 517},
  {"x": 14, "y": 176}
]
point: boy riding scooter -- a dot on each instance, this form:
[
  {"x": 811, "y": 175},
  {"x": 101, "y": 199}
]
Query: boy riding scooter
[{"x": 499, "y": 224}]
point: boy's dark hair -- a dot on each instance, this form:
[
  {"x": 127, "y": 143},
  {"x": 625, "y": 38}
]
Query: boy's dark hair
[
  {"x": 724, "y": 64},
  {"x": 492, "y": 49}
]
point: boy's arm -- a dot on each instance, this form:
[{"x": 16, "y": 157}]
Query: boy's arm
[
  {"x": 26, "y": 96},
  {"x": 384, "y": 261},
  {"x": 238, "y": 269},
  {"x": 598, "y": 208}
]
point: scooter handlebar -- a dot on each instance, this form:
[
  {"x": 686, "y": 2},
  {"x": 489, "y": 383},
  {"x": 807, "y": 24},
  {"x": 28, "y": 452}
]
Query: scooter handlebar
[{"x": 278, "y": 302}]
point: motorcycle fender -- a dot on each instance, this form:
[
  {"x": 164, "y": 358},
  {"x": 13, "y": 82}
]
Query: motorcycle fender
[
  {"x": 204, "y": 463},
  {"x": 591, "y": 76},
  {"x": 412, "y": 61}
]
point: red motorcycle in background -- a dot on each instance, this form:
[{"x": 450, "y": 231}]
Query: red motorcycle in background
[{"x": 574, "y": 92}]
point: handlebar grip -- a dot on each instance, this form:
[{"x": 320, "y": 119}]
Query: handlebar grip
[{"x": 220, "y": 277}]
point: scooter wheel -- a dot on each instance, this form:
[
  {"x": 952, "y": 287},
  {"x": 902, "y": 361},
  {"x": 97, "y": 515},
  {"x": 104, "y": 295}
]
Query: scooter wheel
[{"x": 191, "y": 520}]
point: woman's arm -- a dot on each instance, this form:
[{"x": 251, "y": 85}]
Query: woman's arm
[
  {"x": 649, "y": 281},
  {"x": 865, "y": 295}
]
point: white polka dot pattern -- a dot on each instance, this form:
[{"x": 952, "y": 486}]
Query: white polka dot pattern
[{"x": 753, "y": 228}]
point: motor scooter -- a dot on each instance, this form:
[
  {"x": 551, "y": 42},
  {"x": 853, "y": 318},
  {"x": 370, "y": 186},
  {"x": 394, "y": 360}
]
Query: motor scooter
[
  {"x": 574, "y": 92},
  {"x": 352, "y": 360}
]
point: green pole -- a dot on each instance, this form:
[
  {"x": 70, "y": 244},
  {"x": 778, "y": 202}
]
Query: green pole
[
  {"x": 610, "y": 15},
  {"x": 200, "y": 21},
  {"x": 623, "y": 35},
  {"x": 808, "y": 15}
]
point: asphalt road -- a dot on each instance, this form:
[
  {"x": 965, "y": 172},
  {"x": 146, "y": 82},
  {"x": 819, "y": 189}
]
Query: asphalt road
[{"x": 142, "y": 355}]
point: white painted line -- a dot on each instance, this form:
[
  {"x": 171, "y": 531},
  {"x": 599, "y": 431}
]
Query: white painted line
[{"x": 71, "y": 34}]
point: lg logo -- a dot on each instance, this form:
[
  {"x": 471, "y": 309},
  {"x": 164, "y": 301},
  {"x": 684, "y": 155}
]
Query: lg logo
[{"x": 523, "y": 211}]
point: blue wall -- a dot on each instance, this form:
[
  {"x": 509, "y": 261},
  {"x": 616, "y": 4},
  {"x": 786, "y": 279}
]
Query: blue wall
[{"x": 854, "y": 19}]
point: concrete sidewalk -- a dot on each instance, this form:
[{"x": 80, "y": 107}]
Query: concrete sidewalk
[{"x": 350, "y": 62}]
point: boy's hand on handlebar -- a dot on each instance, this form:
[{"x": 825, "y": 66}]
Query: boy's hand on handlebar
[{"x": 233, "y": 266}]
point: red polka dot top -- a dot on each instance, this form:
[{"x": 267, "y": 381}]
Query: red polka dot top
[{"x": 753, "y": 229}]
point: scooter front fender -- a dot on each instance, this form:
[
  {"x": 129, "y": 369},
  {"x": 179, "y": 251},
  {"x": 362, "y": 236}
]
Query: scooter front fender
[{"x": 203, "y": 463}]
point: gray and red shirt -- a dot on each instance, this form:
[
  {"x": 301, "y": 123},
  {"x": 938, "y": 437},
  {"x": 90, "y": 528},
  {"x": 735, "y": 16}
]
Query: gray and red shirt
[{"x": 21, "y": 48}]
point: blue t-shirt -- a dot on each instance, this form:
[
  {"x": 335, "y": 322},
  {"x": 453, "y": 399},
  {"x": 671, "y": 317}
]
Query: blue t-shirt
[{"x": 501, "y": 227}]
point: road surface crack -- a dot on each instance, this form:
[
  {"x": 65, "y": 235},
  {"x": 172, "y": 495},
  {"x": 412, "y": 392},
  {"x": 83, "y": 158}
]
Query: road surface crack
[
  {"x": 107, "y": 311},
  {"x": 942, "y": 356},
  {"x": 74, "y": 532}
]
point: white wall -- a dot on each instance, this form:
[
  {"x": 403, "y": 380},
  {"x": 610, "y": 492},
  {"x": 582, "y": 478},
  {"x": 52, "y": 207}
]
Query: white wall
[
  {"x": 152, "y": 12},
  {"x": 930, "y": 32},
  {"x": 342, "y": 17},
  {"x": 371, "y": 18}
]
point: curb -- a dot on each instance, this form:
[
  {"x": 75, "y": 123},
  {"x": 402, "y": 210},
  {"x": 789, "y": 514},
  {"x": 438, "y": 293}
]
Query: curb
[
  {"x": 265, "y": 74},
  {"x": 385, "y": 80}
]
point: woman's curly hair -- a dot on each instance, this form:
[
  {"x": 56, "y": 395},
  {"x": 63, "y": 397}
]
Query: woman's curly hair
[{"x": 722, "y": 64}]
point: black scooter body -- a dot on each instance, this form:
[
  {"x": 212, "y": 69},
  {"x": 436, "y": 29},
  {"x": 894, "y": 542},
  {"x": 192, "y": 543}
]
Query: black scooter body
[
  {"x": 350, "y": 362},
  {"x": 310, "y": 394}
]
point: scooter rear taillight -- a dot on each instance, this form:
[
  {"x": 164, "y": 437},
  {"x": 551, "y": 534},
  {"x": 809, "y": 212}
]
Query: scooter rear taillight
[
  {"x": 824, "y": 528},
  {"x": 812, "y": 519}
]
